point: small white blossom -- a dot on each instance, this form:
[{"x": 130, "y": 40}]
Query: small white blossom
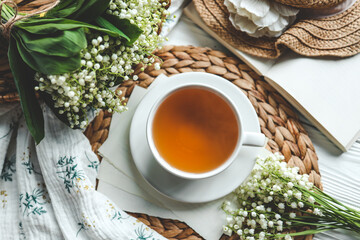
[
  {"x": 288, "y": 237},
  {"x": 227, "y": 230},
  {"x": 317, "y": 212},
  {"x": 157, "y": 66}
]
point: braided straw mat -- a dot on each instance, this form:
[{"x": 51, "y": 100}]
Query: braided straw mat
[
  {"x": 277, "y": 119},
  {"x": 337, "y": 36},
  {"x": 311, "y": 3}
]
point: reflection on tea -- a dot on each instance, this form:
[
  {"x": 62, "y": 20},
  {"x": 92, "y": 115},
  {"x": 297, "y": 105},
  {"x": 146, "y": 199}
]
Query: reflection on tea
[{"x": 195, "y": 130}]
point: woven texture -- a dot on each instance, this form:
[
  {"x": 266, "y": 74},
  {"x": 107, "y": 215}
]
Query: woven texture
[
  {"x": 277, "y": 119},
  {"x": 7, "y": 86},
  {"x": 338, "y": 35},
  {"x": 311, "y": 3},
  {"x": 8, "y": 91}
]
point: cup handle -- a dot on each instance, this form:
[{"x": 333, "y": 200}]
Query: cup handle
[{"x": 254, "y": 139}]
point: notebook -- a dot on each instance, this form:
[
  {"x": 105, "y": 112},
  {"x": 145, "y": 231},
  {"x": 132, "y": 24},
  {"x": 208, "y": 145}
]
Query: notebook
[{"x": 324, "y": 90}]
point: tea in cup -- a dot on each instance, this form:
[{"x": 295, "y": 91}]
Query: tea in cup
[{"x": 195, "y": 131}]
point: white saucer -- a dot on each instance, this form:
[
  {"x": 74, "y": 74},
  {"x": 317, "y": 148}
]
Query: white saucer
[{"x": 193, "y": 191}]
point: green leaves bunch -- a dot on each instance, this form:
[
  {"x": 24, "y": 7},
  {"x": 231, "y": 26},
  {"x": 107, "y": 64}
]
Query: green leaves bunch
[{"x": 51, "y": 44}]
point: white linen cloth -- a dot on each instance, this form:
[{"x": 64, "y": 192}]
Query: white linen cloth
[{"x": 47, "y": 190}]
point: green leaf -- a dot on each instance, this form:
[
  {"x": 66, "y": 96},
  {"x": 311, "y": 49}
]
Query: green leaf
[
  {"x": 130, "y": 30},
  {"x": 81, "y": 10},
  {"x": 23, "y": 77},
  {"x": 45, "y": 63},
  {"x": 65, "y": 8},
  {"x": 49, "y": 26},
  {"x": 102, "y": 22},
  {"x": 63, "y": 43},
  {"x": 90, "y": 10}
]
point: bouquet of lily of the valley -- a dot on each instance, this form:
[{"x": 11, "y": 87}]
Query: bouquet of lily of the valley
[
  {"x": 75, "y": 52},
  {"x": 276, "y": 202}
]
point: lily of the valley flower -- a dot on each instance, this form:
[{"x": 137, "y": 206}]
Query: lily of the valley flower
[
  {"x": 104, "y": 62},
  {"x": 276, "y": 199}
]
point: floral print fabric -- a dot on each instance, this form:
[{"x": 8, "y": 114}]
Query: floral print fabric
[{"x": 47, "y": 191}]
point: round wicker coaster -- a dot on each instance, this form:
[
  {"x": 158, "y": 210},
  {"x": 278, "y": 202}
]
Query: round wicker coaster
[{"x": 277, "y": 119}]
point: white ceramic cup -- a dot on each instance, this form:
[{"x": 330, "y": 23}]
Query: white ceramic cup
[{"x": 244, "y": 138}]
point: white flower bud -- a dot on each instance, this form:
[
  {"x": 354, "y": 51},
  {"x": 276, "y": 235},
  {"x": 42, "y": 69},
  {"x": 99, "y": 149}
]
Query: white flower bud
[
  {"x": 87, "y": 56},
  {"x": 99, "y": 58},
  {"x": 114, "y": 69},
  {"x": 71, "y": 94},
  {"x": 89, "y": 64},
  {"x": 298, "y": 195},
  {"x": 94, "y": 51},
  {"x": 157, "y": 66},
  {"x": 94, "y": 42},
  {"x": 97, "y": 66}
]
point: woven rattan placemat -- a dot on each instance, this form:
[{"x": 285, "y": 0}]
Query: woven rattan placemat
[{"x": 277, "y": 119}]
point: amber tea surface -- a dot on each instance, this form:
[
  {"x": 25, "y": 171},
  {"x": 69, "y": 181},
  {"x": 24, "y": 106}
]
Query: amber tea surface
[{"x": 195, "y": 130}]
